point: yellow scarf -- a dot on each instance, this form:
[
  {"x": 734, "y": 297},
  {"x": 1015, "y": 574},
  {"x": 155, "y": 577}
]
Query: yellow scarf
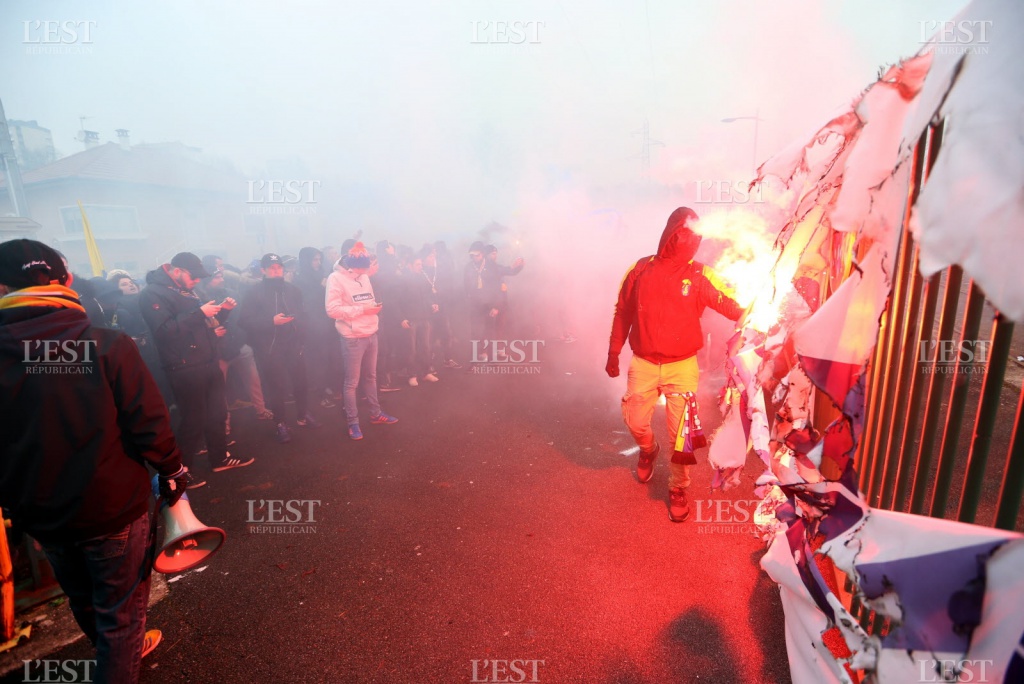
[{"x": 52, "y": 295}]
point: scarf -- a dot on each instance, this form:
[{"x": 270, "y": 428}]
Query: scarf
[
  {"x": 691, "y": 436},
  {"x": 52, "y": 295}
]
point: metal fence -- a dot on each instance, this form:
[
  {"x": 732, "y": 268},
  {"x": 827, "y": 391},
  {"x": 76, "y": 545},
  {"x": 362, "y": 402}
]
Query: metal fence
[{"x": 931, "y": 371}]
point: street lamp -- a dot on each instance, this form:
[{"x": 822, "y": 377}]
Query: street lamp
[{"x": 755, "y": 119}]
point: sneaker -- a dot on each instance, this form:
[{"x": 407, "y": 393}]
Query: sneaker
[
  {"x": 388, "y": 388},
  {"x": 308, "y": 421},
  {"x": 151, "y": 641},
  {"x": 229, "y": 462},
  {"x": 196, "y": 483},
  {"x": 283, "y": 435},
  {"x": 264, "y": 415},
  {"x": 430, "y": 377},
  {"x": 678, "y": 506},
  {"x": 452, "y": 363},
  {"x": 413, "y": 382},
  {"x": 231, "y": 442},
  {"x": 327, "y": 403},
  {"x": 383, "y": 419},
  {"x": 645, "y": 464},
  {"x": 354, "y": 432}
]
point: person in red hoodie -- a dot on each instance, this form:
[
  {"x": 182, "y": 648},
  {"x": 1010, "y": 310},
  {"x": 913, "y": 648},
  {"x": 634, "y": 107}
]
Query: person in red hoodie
[{"x": 659, "y": 307}]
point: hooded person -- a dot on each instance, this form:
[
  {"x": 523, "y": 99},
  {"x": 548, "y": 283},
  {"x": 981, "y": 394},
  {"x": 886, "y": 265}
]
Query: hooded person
[
  {"x": 323, "y": 357},
  {"x": 351, "y": 303},
  {"x": 275, "y": 324},
  {"x": 82, "y": 424},
  {"x": 658, "y": 310}
]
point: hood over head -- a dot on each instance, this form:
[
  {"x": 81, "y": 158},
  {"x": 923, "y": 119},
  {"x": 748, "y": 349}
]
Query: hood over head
[
  {"x": 678, "y": 241},
  {"x": 306, "y": 256}
]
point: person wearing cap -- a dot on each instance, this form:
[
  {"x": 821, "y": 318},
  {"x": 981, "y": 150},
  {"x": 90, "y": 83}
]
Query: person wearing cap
[
  {"x": 658, "y": 310},
  {"x": 82, "y": 423},
  {"x": 185, "y": 331},
  {"x": 351, "y": 303},
  {"x": 275, "y": 325}
]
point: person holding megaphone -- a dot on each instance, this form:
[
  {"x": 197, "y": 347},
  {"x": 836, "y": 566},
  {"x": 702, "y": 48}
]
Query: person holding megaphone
[{"x": 82, "y": 418}]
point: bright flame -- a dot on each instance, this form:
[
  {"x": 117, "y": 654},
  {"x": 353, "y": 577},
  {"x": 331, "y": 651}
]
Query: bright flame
[{"x": 746, "y": 262}]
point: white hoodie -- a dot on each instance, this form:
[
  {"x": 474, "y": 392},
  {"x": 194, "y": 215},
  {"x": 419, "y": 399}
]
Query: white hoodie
[{"x": 348, "y": 296}]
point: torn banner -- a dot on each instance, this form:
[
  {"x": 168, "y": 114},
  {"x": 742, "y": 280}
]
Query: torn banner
[{"x": 951, "y": 592}]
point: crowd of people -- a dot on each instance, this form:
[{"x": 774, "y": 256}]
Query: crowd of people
[
  {"x": 319, "y": 327},
  {"x": 323, "y": 327}
]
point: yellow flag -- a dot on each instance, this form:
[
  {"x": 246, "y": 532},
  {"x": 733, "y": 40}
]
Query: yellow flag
[{"x": 95, "y": 260}]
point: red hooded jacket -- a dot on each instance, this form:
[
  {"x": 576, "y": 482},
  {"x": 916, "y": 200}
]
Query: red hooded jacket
[{"x": 662, "y": 297}]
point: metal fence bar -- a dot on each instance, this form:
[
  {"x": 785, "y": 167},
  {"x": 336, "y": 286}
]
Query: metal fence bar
[
  {"x": 866, "y": 456},
  {"x": 887, "y": 387},
  {"x": 957, "y": 401},
  {"x": 1012, "y": 489},
  {"x": 984, "y": 423},
  {"x": 904, "y": 380},
  {"x": 936, "y": 387},
  {"x": 917, "y": 393},
  {"x": 898, "y": 305}
]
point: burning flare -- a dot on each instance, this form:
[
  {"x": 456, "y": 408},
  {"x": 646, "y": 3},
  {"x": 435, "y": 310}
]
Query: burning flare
[{"x": 746, "y": 263}]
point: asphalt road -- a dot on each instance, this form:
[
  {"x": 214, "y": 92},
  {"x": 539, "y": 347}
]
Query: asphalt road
[{"x": 498, "y": 521}]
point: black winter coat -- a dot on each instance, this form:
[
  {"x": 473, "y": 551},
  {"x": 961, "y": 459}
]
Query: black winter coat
[
  {"x": 76, "y": 443},
  {"x": 265, "y": 300},
  {"x": 180, "y": 329}
]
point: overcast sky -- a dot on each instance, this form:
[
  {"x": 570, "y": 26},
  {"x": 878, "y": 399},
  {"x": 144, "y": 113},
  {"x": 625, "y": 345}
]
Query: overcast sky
[{"x": 423, "y": 112}]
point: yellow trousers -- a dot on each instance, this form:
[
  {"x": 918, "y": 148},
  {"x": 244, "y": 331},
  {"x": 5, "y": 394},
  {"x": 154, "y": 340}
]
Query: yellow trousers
[{"x": 645, "y": 383}]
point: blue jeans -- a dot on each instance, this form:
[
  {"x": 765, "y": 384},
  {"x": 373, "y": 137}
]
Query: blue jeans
[
  {"x": 106, "y": 580},
  {"x": 360, "y": 361}
]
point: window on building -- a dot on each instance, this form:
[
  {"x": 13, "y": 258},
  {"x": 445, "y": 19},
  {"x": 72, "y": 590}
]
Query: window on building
[{"x": 107, "y": 221}]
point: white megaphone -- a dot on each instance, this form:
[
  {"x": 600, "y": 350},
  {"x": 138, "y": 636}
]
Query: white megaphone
[{"x": 187, "y": 542}]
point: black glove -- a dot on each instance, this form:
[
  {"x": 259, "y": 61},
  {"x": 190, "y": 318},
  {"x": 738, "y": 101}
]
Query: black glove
[
  {"x": 612, "y": 367},
  {"x": 173, "y": 486}
]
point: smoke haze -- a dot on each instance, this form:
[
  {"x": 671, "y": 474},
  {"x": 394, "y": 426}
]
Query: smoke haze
[{"x": 428, "y": 120}]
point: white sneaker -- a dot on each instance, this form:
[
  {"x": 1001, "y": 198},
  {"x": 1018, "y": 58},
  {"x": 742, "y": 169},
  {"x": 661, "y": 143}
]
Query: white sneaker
[
  {"x": 413, "y": 382},
  {"x": 430, "y": 377}
]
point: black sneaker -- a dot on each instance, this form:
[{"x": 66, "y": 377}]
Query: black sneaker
[
  {"x": 308, "y": 421},
  {"x": 196, "y": 483},
  {"x": 283, "y": 435},
  {"x": 230, "y": 462}
]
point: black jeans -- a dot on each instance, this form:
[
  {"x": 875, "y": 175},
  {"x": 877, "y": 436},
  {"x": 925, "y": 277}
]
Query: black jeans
[
  {"x": 199, "y": 392},
  {"x": 278, "y": 371}
]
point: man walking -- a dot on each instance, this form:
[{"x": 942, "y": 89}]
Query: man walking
[
  {"x": 82, "y": 418},
  {"x": 351, "y": 303},
  {"x": 659, "y": 307}
]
